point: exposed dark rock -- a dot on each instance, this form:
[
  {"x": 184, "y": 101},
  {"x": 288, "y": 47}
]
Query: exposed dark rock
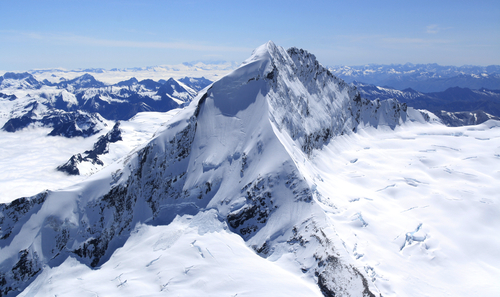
[
  {"x": 8, "y": 97},
  {"x": 100, "y": 148}
]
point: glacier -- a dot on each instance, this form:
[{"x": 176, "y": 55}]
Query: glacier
[{"x": 278, "y": 179}]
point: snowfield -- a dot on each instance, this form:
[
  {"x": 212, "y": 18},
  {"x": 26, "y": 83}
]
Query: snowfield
[
  {"x": 192, "y": 256},
  {"x": 417, "y": 207},
  {"x": 277, "y": 180}
]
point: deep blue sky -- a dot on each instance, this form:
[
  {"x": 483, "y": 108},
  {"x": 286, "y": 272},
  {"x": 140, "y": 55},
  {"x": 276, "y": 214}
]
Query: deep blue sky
[{"x": 123, "y": 33}]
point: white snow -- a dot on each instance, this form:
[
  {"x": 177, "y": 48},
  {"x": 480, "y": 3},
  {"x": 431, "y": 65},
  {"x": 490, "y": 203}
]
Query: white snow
[
  {"x": 28, "y": 159},
  {"x": 134, "y": 132},
  {"x": 192, "y": 256},
  {"x": 414, "y": 209},
  {"x": 419, "y": 208}
]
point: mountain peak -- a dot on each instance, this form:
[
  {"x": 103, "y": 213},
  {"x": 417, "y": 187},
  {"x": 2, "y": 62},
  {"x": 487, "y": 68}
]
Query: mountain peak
[
  {"x": 84, "y": 81},
  {"x": 317, "y": 105},
  {"x": 238, "y": 150},
  {"x": 18, "y": 76},
  {"x": 19, "y": 81}
]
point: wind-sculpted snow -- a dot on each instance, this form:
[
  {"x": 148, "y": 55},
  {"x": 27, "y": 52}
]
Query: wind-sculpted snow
[{"x": 238, "y": 152}]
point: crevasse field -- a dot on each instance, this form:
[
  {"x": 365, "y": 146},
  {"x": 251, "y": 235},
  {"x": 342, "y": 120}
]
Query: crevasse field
[{"x": 418, "y": 205}]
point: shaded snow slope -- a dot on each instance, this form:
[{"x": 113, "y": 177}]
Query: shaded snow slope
[{"x": 239, "y": 151}]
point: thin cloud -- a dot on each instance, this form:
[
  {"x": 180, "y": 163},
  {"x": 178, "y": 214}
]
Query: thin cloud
[
  {"x": 90, "y": 41},
  {"x": 420, "y": 41},
  {"x": 151, "y": 44},
  {"x": 434, "y": 29},
  {"x": 385, "y": 40}
]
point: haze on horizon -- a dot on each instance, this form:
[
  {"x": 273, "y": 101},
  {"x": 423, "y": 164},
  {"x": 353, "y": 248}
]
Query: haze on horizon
[{"x": 120, "y": 34}]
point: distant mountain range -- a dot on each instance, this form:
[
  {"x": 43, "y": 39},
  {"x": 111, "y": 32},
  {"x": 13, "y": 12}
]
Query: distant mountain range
[
  {"x": 422, "y": 77},
  {"x": 78, "y": 107},
  {"x": 209, "y": 70},
  {"x": 204, "y": 65},
  {"x": 472, "y": 106}
]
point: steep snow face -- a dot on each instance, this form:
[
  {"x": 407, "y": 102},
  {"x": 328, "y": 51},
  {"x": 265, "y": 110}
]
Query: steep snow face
[
  {"x": 235, "y": 151},
  {"x": 311, "y": 104}
]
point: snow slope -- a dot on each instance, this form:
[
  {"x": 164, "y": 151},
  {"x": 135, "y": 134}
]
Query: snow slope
[
  {"x": 243, "y": 164},
  {"x": 416, "y": 206},
  {"x": 192, "y": 256}
]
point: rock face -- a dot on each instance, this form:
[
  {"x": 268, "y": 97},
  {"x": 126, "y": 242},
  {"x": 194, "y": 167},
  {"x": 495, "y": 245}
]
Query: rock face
[
  {"x": 100, "y": 148},
  {"x": 236, "y": 150}
]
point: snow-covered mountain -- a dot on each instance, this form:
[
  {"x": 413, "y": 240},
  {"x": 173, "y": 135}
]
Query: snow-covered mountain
[
  {"x": 78, "y": 107},
  {"x": 196, "y": 84},
  {"x": 455, "y": 106},
  {"x": 422, "y": 77},
  {"x": 124, "y": 137},
  {"x": 249, "y": 191}
]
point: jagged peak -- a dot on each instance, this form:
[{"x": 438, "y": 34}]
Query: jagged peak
[
  {"x": 19, "y": 80},
  {"x": 304, "y": 98}
]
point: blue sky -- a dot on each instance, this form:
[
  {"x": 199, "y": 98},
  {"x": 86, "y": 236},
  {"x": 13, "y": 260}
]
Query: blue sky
[{"x": 108, "y": 34}]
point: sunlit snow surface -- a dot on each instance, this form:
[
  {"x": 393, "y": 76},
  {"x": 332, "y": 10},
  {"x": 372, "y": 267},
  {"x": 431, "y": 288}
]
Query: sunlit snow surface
[
  {"x": 414, "y": 209},
  {"x": 29, "y": 158},
  {"x": 418, "y": 208},
  {"x": 192, "y": 256}
]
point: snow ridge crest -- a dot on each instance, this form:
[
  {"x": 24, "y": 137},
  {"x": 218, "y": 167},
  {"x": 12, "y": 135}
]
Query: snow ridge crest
[{"x": 307, "y": 101}]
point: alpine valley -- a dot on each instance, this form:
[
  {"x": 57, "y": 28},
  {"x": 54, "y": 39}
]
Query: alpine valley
[{"x": 278, "y": 179}]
